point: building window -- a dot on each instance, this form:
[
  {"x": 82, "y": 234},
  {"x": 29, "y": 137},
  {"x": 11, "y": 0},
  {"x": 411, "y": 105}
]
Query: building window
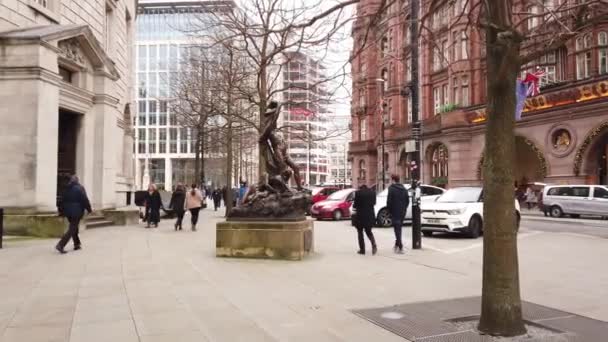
[
  {"x": 151, "y": 140},
  {"x": 362, "y": 97},
  {"x": 162, "y": 140},
  {"x": 436, "y": 57},
  {"x": 142, "y": 58},
  {"x": 66, "y": 74},
  {"x": 455, "y": 50},
  {"x": 437, "y": 100},
  {"x": 439, "y": 162},
  {"x": 363, "y": 128},
  {"x": 408, "y": 69},
  {"x": 172, "y": 140},
  {"x": 391, "y": 117},
  {"x": 383, "y": 46},
  {"x": 444, "y": 54},
  {"x": 446, "y": 95},
  {"x": 141, "y": 140},
  {"x": 455, "y": 91},
  {"x": 390, "y": 40},
  {"x": 465, "y": 91},
  {"x": 183, "y": 140},
  {"x": 141, "y": 109},
  {"x": 362, "y": 170},
  {"x": 384, "y": 75},
  {"x": 583, "y": 57},
  {"x": 43, "y": 3},
  {"x": 464, "y": 45},
  {"x": 602, "y": 42},
  {"x": 533, "y": 19},
  {"x": 152, "y": 114}
]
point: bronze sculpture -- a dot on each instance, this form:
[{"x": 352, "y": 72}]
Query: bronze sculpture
[{"x": 272, "y": 197}]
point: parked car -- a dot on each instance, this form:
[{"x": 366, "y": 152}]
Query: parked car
[
  {"x": 576, "y": 200},
  {"x": 322, "y": 193},
  {"x": 337, "y": 206},
  {"x": 458, "y": 210},
  {"x": 383, "y": 217}
]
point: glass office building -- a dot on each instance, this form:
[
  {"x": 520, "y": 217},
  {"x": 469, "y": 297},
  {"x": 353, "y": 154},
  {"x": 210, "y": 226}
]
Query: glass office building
[{"x": 164, "y": 151}]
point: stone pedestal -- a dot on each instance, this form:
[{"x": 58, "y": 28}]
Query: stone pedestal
[
  {"x": 281, "y": 240},
  {"x": 122, "y": 217},
  {"x": 39, "y": 225}
]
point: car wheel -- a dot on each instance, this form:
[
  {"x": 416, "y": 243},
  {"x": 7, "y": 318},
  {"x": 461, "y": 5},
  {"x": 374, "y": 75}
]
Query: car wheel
[
  {"x": 556, "y": 211},
  {"x": 427, "y": 233},
  {"x": 475, "y": 226},
  {"x": 337, "y": 215},
  {"x": 384, "y": 218}
]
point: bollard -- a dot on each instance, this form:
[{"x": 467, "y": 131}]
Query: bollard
[{"x": 1, "y": 225}]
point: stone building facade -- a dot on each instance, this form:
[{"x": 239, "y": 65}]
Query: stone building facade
[
  {"x": 66, "y": 91},
  {"x": 561, "y": 138}
]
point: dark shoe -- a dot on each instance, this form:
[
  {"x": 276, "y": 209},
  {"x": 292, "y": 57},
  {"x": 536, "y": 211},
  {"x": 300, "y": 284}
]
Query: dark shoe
[
  {"x": 400, "y": 250},
  {"x": 60, "y": 250},
  {"x": 361, "y": 252},
  {"x": 175, "y": 227},
  {"x": 374, "y": 250},
  {"x": 77, "y": 247}
]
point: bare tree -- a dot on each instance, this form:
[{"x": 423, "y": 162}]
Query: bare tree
[{"x": 514, "y": 33}]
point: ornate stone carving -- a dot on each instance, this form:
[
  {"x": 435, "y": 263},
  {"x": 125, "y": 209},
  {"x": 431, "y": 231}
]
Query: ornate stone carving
[{"x": 70, "y": 49}]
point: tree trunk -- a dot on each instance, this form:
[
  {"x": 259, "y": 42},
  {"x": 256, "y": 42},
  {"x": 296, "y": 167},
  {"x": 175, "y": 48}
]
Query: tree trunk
[
  {"x": 202, "y": 175},
  {"x": 197, "y": 156},
  {"x": 501, "y": 312},
  {"x": 229, "y": 193},
  {"x": 263, "y": 93}
]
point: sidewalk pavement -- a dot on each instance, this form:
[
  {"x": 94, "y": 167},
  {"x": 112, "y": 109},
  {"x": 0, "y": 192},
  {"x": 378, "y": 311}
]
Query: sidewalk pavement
[
  {"x": 537, "y": 215},
  {"x": 147, "y": 285}
]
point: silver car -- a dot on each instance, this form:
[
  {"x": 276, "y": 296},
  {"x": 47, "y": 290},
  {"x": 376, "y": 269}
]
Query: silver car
[{"x": 575, "y": 200}]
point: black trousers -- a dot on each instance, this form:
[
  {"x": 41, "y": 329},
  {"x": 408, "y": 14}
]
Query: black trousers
[
  {"x": 180, "y": 217},
  {"x": 398, "y": 227},
  {"x": 194, "y": 213},
  {"x": 71, "y": 233},
  {"x": 370, "y": 236},
  {"x": 216, "y": 204}
]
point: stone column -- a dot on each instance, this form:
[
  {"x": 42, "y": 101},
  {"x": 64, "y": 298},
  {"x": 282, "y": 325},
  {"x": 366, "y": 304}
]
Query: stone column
[{"x": 168, "y": 175}]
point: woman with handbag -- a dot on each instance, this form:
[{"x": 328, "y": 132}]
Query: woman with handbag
[{"x": 194, "y": 203}]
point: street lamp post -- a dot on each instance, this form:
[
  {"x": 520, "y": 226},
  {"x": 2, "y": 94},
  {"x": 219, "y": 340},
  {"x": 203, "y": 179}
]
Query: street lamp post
[
  {"x": 416, "y": 127},
  {"x": 381, "y": 83}
]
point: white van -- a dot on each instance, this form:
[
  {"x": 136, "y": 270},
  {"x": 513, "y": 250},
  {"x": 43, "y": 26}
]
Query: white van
[{"x": 576, "y": 200}]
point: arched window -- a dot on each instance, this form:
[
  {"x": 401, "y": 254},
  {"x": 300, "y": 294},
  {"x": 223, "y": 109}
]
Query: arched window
[
  {"x": 439, "y": 162},
  {"x": 602, "y": 42},
  {"x": 384, "y": 76},
  {"x": 583, "y": 57},
  {"x": 362, "y": 170}
]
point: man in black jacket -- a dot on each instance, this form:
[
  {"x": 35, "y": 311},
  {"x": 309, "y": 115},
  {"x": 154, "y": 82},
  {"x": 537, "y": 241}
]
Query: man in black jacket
[
  {"x": 365, "y": 199},
  {"x": 396, "y": 204},
  {"x": 73, "y": 204}
]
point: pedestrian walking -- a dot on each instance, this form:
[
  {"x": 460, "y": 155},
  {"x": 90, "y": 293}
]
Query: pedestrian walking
[
  {"x": 217, "y": 198},
  {"x": 178, "y": 204},
  {"x": 194, "y": 203},
  {"x": 396, "y": 204},
  {"x": 365, "y": 199},
  {"x": 243, "y": 190},
  {"x": 74, "y": 202},
  {"x": 153, "y": 205},
  {"x": 530, "y": 198}
]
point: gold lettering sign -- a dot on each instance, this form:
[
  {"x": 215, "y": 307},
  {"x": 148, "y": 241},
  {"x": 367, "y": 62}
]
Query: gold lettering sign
[{"x": 557, "y": 98}]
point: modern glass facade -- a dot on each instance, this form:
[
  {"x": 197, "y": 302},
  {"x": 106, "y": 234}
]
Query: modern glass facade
[{"x": 163, "y": 43}]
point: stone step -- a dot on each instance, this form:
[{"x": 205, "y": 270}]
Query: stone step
[
  {"x": 99, "y": 224},
  {"x": 95, "y": 217}
]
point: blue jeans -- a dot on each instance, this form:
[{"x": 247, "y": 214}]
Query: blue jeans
[{"x": 397, "y": 227}]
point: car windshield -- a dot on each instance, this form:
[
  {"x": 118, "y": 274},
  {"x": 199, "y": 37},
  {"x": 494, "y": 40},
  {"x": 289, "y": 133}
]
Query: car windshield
[
  {"x": 460, "y": 195},
  {"x": 339, "y": 195},
  {"x": 316, "y": 191}
]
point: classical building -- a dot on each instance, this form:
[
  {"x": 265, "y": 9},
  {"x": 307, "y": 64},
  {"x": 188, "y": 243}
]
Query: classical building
[
  {"x": 164, "y": 152},
  {"x": 562, "y": 136},
  {"x": 306, "y": 115},
  {"x": 65, "y": 89}
]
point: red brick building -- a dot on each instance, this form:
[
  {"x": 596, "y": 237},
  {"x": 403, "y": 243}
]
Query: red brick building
[{"x": 561, "y": 138}]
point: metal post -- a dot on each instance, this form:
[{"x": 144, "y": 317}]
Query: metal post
[
  {"x": 382, "y": 150},
  {"x": 416, "y": 132},
  {"x": 1, "y": 225}
]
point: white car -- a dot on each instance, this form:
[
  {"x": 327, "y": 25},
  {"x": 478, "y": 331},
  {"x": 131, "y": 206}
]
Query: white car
[
  {"x": 458, "y": 210},
  {"x": 383, "y": 217}
]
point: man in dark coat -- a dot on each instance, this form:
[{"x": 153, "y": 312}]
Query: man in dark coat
[
  {"x": 396, "y": 204},
  {"x": 153, "y": 205},
  {"x": 74, "y": 202},
  {"x": 217, "y": 198},
  {"x": 365, "y": 199},
  {"x": 177, "y": 204}
]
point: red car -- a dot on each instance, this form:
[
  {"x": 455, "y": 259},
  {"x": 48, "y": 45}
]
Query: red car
[
  {"x": 336, "y": 206},
  {"x": 321, "y": 193}
]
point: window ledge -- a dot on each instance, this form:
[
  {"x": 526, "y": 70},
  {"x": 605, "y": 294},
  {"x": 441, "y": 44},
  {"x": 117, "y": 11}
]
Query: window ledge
[{"x": 49, "y": 14}]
